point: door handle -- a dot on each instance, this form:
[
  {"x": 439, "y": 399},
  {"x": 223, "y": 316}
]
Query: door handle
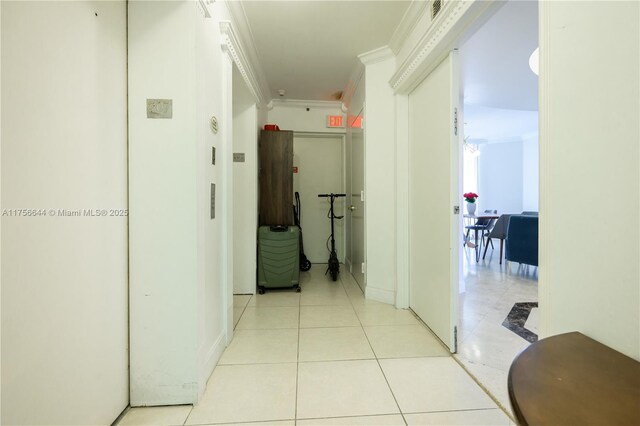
[{"x": 351, "y": 207}]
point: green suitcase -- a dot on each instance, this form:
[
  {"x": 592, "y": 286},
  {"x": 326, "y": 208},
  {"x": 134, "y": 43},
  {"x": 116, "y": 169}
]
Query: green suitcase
[{"x": 278, "y": 257}]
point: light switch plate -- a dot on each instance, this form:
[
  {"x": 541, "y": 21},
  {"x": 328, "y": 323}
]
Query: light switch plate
[
  {"x": 213, "y": 201},
  {"x": 238, "y": 157}
]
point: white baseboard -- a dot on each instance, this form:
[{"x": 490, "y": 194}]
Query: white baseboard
[
  {"x": 380, "y": 295},
  {"x": 210, "y": 361},
  {"x": 348, "y": 264}
]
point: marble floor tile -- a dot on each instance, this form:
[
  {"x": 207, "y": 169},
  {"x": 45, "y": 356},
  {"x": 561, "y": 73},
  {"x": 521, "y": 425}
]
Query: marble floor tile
[
  {"x": 493, "y": 380},
  {"x": 343, "y": 388},
  {"x": 485, "y": 346},
  {"x": 275, "y": 299},
  {"x": 241, "y": 300},
  {"x": 328, "y": 316},
  {"x": 237, "y": 313},
  {"x": 247, "y": 393},
  {"x": 384, "y": 420},
  {"x": 433, "y": 384},
  {"x": 493, "y": 345},
  {"x": 156, "y": 416},
  {"x": 262, "y": 347},
  {"x": 324, "y": 297},
  {"x": 401, "y": 341},
  {"x": 533, "y": 320},
  {"x": 269, "y": 318},
  {"x": 384, "y": 315},
  {"x": 334, "y": 344},
  {"x": 459, "y": 418},
  {"x": 275, "y": 423}
]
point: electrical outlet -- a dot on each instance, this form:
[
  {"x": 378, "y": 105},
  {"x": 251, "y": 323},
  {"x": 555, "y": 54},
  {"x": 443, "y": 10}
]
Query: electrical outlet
[{"x": 238, "y": 157}]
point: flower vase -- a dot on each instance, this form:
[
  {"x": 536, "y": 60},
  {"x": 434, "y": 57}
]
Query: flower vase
[{"x": 471, "y": 208}]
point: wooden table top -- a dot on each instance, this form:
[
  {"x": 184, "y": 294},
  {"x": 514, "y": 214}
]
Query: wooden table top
[{"x": 571, "y": 379}]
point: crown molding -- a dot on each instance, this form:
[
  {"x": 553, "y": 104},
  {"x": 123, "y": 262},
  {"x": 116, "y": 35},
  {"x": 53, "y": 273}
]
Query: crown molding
[
  {"x": 445, "y": 31},
  {"x": 300, "y": 103},
  {"x": 203, "y": 5},
  {"x": 238, "y": 42},
  {"x": 409, "y": 20},
  {"x": 376, "y": 55},
  {"x": 352, "y": 85}
]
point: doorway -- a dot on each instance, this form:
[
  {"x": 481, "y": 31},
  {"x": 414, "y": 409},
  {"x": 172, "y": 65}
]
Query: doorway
[
  {"x": 318, "y": 161},
  {"x": 244, "y": 194},
  {"x": 355, "y": 199},
  {"x": 498, "y": 303}
]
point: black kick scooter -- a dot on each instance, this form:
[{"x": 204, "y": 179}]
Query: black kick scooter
[{"x": 334, "y": 266}]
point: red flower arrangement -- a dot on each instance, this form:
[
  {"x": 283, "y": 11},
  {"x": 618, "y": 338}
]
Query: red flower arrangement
[{"x": 470, "y": 197}]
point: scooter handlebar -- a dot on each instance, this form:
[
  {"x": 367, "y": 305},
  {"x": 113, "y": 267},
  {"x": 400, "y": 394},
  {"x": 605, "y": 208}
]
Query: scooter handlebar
[{"x": 331, "y": 195}]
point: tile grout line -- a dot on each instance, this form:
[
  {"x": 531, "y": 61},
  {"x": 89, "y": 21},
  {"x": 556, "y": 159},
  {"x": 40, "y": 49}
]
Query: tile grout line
[
  {"x": 378, "y": 361},
  {"x": 190, "y": 411},
  {"x": 295, "y": 407}
]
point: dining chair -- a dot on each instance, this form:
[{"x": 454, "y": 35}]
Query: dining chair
[
  {"x": 498, "y": 231},
  {"x": 482, "y": 225}
]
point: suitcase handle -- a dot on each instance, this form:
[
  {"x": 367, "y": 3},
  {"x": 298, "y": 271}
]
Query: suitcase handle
[{"x": 279, "y": 228}]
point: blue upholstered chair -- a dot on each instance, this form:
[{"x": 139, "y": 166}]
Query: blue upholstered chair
[{"x": 522, "y": 239}]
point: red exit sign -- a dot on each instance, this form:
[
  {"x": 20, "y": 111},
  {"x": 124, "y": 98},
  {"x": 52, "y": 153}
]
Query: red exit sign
[{"x": 335, "y": 121}]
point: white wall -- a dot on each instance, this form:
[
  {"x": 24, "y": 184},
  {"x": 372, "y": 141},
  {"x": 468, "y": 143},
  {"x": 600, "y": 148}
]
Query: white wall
[
  {"x": 380, "y": 181},
  {"x": 64, "y": 146},
  {"x": 530, "y": 172},
  {"x": 295, "y": 116},
  {"x": 589, "y": 133},
  {"x": 500, "y": 177},
  {"x": 177, "y": 324},
  {"x": 245, "y": 183}
]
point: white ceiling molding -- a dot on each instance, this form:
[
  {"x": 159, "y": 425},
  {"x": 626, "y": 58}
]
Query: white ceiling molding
[
  {"x": 231, "y": 45},
  {"x": 204, "y": 7},
  {"x": 297, "y": 103},
  {"x": 377, "y": 55},
  {"x": 352, "y": 85},
  {"x": 436, "y": 42},
  {"x": 245, "y": 46},
  {"x": 416, "y": 9}
]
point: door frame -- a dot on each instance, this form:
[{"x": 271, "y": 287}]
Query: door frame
[
  {"x": 343, "y": 142},
  {"x": 456, "y": 21},
  {"x": 234, "y": 53}
]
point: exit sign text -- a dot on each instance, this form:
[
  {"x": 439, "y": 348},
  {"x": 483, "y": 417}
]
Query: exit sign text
[{"x": 335, "y": 121}]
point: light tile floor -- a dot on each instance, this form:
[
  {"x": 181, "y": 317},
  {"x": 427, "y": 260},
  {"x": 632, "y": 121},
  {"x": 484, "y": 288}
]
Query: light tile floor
[
  {"x": 485, "y": 347},
  {"x": 327, "y": 356}
]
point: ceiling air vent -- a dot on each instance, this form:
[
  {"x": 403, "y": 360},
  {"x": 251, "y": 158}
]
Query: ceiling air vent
[{"x": 436, "y": 5}]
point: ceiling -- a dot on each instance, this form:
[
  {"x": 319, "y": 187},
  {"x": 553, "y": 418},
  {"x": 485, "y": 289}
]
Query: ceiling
[
  {"x": 495, "y": 60},
  {"x": 310, "y": 48}
]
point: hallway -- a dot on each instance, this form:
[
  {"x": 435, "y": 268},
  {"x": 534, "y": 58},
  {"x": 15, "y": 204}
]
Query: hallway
[{"x": 329, "y": 356}]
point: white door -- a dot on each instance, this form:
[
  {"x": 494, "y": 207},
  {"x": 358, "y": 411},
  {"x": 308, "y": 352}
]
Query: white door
[
  {"x": 319, "y": 163},
  {"x": 434, "y": 152},
  {"x": 357, "y": 200}
]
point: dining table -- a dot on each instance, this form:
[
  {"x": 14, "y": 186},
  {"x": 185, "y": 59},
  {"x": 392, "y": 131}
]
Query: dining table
[{"x": 473, "y": 218}]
